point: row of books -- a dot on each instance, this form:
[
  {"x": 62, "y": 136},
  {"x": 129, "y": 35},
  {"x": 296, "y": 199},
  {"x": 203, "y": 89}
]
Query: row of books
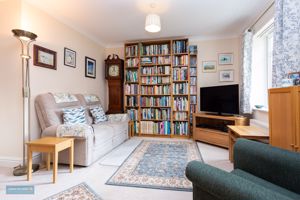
[
  {"x": 156, "y": 60},
  {"x": 180, "y": 116},
  {"x": 163, "y": 128},
  {"x": 193, "y": 108},
  {"x": 136, "y": 126},
  {"x": 131, "y": 88},
  {"x": 131, "y": 50},
  {"x": 193, "y": 81},
  {"x": 180, "y": 104},
  {"x": 133, "y": 114},
  {"x": 180, "y": 88},
  {"x": 155, "y": 49},
  {"x": 180, "y": 128},
  {"x": 132, "y": 62},
  {"x": 132, "y": 76},
  {"x": 155, "y": 70},
  {"x": 193, "y": 49},
  {"x": 181, "y": 60},
  {"x": 155, "y": 80},
  {"x": 193, "y": 61},
  {"x": 180, "y": 46},
  {"x": 180, "y": 74},
  {"x": 155, "y": 101},
  {"x": 162, "y": 89},
  {"x": 193, "y": 71},
  {"x": 193, "y": 99},
  {"x": 155, "y": 114},
  {"x": 132, "y": 101},
  {"x": 193, "y": 89}
]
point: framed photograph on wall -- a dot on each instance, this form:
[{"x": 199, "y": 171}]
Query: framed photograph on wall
[
  {"x": 225, "y": 58},
  {"x": 69, "y": 57},
  {"x": 226, "y": 76},
  {"x": 90, "y": 67},
  {"x": 44, "y": 57},
  {"x": 209, "y": 66}
]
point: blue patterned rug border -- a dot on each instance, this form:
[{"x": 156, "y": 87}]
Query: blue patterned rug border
[
  {"x": 85, "y": 184},
  {"x": 150, "y": 186}
]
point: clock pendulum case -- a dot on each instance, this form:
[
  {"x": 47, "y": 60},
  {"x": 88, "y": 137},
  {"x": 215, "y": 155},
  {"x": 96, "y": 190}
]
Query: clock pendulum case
[{"x": 114, "y": 75}]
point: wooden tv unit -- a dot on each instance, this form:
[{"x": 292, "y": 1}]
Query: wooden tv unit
[{"x": 213, "y": 128}]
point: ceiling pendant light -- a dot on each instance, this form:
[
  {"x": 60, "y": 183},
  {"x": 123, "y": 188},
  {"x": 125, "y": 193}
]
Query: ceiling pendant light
[{"x": 152, "y": 24}]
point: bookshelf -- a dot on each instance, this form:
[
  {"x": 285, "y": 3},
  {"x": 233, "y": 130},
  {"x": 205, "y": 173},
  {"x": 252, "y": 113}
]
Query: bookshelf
[
  {"x": 157, "y": 87},
  {"x": 193, "y": 83}
]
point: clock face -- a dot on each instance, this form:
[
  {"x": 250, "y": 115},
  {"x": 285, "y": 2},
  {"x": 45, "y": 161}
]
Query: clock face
[{"x": 113, "y": 70}]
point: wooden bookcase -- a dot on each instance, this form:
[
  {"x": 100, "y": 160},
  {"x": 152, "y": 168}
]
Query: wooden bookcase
[
  {"x": 157, "y": 87},
  {"x": 193, "y": 84},
  {"x": 213, "y": 128}
]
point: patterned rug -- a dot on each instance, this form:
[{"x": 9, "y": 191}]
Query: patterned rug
[
  {"x": 77, "y": 192},
  {"x": 157, "y": 165}
]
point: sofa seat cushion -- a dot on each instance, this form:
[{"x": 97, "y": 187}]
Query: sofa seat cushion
[{"x": 265, "y": 184}]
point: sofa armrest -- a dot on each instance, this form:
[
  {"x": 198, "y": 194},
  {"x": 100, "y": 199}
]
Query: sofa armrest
[
  {"x": 121, "y": 117},
  {"x": 226, "y": 186},
  {"x": 278, "y": 166},
  {"x": 49, "y": 131}
]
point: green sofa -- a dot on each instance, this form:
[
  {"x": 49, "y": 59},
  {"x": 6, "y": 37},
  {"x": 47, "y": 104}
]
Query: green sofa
[{"x": 261, "y": 172}]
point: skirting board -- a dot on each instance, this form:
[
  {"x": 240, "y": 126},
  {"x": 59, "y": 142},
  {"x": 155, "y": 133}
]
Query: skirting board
[{"x": 15, "y": 161}]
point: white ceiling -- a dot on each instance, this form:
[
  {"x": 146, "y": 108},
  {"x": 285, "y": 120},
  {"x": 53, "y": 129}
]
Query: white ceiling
[{"x": 111, "y": 22}]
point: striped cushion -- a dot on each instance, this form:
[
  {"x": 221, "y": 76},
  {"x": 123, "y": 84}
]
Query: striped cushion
[
  {"x": 98, "y": 114},
  {"x": 74, "y": 116}
]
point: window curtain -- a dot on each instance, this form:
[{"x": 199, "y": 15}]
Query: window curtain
[
  {"x": 286, "y": 56},
  {"x": 245, "y": 84}
]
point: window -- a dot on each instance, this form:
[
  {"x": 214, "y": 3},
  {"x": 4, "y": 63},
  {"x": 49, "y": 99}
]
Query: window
[{"x": 262, "y": 56}]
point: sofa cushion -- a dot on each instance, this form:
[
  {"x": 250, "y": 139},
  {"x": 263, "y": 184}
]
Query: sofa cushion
[
  {"x": 74, "y": 115},
  {"x": 98, "y": 114},
  {"x": 265, "y": 184}
]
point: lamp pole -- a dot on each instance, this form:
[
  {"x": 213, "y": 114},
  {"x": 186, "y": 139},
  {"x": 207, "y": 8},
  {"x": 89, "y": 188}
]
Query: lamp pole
[{"x": 25, "y": 37}]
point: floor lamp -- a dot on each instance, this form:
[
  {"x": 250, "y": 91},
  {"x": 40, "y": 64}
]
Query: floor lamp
[{"x": 25, "y": 38}]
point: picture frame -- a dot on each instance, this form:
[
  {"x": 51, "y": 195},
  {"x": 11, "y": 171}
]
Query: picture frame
[
  {"x": 227, "y": 75},
  {"x": 90, "y": 67},
  {"x": 69, "y": 57},
  {"x": 225, "y": 58},
  {"x": 44, "y": 57},
  {"x": 209, "y": 66}
]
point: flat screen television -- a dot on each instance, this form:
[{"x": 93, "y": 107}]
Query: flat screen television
[{"x": 222, "y": 100}]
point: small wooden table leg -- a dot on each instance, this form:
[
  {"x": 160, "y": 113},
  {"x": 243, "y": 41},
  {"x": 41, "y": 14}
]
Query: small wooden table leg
[
  {"x": 231, "y": 143},
  {"x": 29, "y": 163},
  {"x": 48, "y": 160},
  {"x": 71, "y": 155},
  {"x": 55, "y": 162}
]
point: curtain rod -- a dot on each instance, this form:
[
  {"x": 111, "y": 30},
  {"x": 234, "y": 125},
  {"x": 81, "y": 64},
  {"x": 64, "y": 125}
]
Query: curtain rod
[{"x": 270, "y": 6}]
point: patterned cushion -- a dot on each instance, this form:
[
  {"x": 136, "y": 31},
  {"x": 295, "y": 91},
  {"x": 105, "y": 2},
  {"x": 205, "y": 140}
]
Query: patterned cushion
[
  {"x": 91, "y": 98},
  {"x": 98, "y": 114},
  {"x": 64, "y": 97},
  {"x": 74, "y": 116}
]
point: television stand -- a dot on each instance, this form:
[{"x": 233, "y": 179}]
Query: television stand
[{"x": 212, "y": 128}]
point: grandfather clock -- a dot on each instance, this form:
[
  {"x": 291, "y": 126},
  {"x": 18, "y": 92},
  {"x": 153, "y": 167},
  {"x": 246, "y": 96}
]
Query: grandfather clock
[{"x": 114, "y": 76}]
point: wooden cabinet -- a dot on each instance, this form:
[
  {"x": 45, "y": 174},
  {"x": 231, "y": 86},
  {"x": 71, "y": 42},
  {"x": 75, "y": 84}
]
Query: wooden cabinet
[
  {"x": 284, "y": 117},
  {"x": 213, "y": 128}
]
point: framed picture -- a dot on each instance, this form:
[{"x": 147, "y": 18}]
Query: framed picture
[
  {"x": 44, "y": 57},
  {"x": 226, "y": 59},
  {"x": 90, "y": 67},
  {"x": 69, "y": 57},
  {"x": 226, "y": 76},
  {"x": 209, "y": 66}
]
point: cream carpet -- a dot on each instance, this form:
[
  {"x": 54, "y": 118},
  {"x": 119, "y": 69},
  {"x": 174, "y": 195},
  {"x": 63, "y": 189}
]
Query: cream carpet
[{"x": 97, "y": 174}]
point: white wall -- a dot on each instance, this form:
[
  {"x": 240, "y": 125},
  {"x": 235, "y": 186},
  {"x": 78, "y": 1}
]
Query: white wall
[{"x": 53, "y": 35}]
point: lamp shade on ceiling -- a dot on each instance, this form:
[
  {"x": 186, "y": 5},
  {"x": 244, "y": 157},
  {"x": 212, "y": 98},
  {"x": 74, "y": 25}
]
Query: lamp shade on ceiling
[
  {"x": 152, "y": 23},
  {"x": 24, "y": 35}
]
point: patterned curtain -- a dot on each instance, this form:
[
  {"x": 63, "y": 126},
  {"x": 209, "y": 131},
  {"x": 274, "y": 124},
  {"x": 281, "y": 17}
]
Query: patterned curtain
[
  {"x": 286, "y": 57},
  {"x": 245, "y": 85}
]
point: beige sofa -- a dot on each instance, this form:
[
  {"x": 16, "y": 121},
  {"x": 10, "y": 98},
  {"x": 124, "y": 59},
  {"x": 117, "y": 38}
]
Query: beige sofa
[{"x": 106, "y": 135}]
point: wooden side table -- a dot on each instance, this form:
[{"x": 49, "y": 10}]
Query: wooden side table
[
  {"x": 247, "y": 132},
  {"x": 50, "y": 145}
]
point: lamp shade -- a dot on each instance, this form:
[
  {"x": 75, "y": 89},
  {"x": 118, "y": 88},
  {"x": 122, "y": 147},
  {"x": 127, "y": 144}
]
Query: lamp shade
[
  {"x": 152, "y": 23},
  {"x": 24, "y": 35}
]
